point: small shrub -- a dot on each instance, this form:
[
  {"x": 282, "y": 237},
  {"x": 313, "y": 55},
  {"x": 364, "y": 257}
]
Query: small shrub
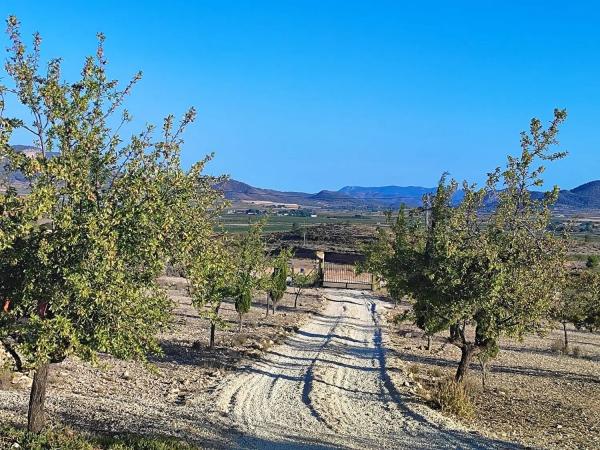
[
  {"x": 577, "y": 352},
  {"x": 413, "y": 368},
  {"x": 239, "y": 339},
  {"x": 5, "y": 379},
  {"x": 592, "y": 261},
  {"x": 558, "y": 346},
  {"x": 436, "y": 372},
  {"x": 453, "y": 398}
]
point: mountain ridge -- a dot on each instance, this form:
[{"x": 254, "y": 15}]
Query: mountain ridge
[{"x": 584, "y": 196}]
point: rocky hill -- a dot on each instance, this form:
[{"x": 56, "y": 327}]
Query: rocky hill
[{"x": 586, "y": 196}]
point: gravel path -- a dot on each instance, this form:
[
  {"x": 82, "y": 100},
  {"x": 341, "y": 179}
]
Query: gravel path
[{"x": 327, "y": 387}]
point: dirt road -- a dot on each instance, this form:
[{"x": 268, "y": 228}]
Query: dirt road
[{"x": 327, "y": 387}]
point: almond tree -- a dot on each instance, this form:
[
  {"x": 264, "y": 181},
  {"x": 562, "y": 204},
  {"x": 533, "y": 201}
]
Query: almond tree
[
  {"x": 277, "y": 283},
  {"x": 579, "y": 303},
  {"x": 211, "y": 276},
  {"x": 301, "y": 281},
  {"x": 488, "y": 267},
  {"x": 591, "y": 305},
  {"x": 80, "y": 253},
  {"x": 249, "y": 269},
  {"x": 391, "y": 256},
  {"x": 570, "y": 305},
  {"x": 500, "y": 277}
]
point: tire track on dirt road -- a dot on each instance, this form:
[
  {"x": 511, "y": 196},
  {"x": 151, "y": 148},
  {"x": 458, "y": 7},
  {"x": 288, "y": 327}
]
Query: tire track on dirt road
[{"x": 327, "y": 387}]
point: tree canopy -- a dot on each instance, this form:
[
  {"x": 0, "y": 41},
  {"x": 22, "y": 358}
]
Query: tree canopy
[
  {"x": 487, "y": 264},
  {"x": 81, "y": 251},
  {"x": 249, "y": 270}
]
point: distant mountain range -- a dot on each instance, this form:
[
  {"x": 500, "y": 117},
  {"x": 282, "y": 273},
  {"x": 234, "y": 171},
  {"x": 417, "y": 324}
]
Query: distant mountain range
[{"x": 586, "y": 196}]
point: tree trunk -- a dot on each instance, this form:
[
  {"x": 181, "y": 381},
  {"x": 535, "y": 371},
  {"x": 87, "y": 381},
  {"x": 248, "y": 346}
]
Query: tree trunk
[
  {"x": 566, "y": 338},
  {"x": 274, "y": 305},
  {"x": 268, "y": 297},
  {"x": 18, "y": 363},
  {"x": 296, "y": 299},
  {"x": 467, "y": 352},
  {"x": 484, "y": 372},
  {"x": 428, "y": 342},
  {"x": 240, "y": 322},
  {"x": 213, "y": 327},
  {"x": 36, "y": 417}
]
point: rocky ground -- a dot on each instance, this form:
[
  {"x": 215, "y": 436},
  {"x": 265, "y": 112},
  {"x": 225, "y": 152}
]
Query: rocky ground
[
  {"x": 355, "y": 377},
  {"x": 534, "y": 395}
]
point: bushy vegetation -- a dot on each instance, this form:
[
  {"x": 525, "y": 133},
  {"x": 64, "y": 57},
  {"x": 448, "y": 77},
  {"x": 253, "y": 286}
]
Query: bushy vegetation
[
  {"x": 486, "y": 267},
  {"x": 277, "y": 284},
  {"x": 453, "y": 398},
  {"x": 248, "y": 271},
  {"x": 592, "y": 262},
  {"x": 81, "y": 252}
]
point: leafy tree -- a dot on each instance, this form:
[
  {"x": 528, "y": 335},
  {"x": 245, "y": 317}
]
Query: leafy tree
[
  {"x": 211, "y": 275},
  {"x": 585, "y": 292},
  {"x": 570, "y": 305},
  {"x": 250, "y": 263},
  {"x": 80, "y": 253},
  {"x": 482, "y": 279},
  {"x": 390, "y": 256},
  {"x": 301, "y": 281},
  {"x": 591, "y": 319},
  {"x": 278, "y": 281}
]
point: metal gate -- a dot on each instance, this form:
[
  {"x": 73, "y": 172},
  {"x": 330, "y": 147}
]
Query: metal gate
[{"x": 345, "y": 276}]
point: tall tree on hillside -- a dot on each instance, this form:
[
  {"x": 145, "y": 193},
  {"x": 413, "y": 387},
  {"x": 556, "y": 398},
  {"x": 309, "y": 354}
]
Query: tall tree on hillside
[
  {"x": 80, "y": 253},
  {"x": 249, "y": 271}
]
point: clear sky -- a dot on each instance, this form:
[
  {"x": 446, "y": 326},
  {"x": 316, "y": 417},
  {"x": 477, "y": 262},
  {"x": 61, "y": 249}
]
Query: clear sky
[{"x": 309, "y": 95}]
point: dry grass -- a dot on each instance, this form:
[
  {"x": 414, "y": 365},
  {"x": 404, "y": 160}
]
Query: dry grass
[
  {"x": 5, "y": 379},
  {"x": 577, "y": 352},
  {"x": 558, "y": 346},
  {"x": 413, "y": 368},
  {"x": 436, "y": 372},
  {"x": 453, "y": 398}
]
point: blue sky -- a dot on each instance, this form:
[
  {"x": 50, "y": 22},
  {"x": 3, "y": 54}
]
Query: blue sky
[{"x": 309, "y": 95}]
